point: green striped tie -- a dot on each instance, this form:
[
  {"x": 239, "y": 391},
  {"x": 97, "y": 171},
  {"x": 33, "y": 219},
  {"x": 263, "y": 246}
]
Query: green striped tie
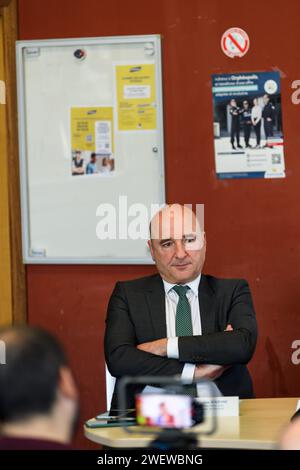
[{"x": 184, "y": 326}]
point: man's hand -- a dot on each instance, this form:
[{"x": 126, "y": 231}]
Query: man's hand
[
  {"x": 158, "y": 347},
  {"x": 209, "y": 371}
]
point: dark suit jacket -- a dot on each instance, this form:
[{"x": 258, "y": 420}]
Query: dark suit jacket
[{"x": 136, "y": 314}]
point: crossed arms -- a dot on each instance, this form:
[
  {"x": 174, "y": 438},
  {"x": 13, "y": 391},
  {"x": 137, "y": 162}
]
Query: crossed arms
[{"x": 212, "y": 353}]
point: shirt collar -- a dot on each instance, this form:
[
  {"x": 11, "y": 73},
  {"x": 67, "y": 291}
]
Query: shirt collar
[{"x": 193, "y": 285}]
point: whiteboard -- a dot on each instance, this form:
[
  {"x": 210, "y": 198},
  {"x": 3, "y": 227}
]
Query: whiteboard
[{"x": 75, "y": 99}]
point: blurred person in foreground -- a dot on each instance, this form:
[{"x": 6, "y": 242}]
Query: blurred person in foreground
[
  {"x": 38, "y": 394},
  {"x": 290, "y": 438}
]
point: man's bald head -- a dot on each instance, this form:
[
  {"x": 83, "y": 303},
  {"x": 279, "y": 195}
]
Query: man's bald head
[
  {"x": 177, "y": 243},
  {"x": 172, "y": 221}
]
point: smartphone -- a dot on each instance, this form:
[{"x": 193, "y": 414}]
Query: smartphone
[
  {"x": 111, "y": 422},
  {"x": 115, "y": 415},
  {"x": 93, "y": 423},
  {"x": 112, "y": 419}
]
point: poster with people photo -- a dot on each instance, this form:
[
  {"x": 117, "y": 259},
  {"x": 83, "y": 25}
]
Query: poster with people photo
[
  {"x": 248, "y": 132},
  {"x": 92, "y": 163}
]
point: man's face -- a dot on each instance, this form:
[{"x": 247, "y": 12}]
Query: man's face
[
  {"x": 266, "y": 99},
  {"x": 245, "y": 104},
  {"x": 178, "y": 245}
]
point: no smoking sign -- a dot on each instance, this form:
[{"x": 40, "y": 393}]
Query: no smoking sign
[{"x": 235, "y": 42}]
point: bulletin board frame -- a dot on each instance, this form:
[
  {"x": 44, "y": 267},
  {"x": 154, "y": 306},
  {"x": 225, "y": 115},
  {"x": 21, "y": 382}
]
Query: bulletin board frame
[{"x": 35, "y": 255}]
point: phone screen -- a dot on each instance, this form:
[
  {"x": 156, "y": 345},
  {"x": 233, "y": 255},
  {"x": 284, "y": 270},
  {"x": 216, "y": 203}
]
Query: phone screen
[{"x": 163, "y": 410}]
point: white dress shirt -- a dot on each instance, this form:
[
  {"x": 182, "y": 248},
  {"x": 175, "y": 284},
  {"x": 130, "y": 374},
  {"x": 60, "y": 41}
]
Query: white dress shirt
[
  {"x": 256, "y": 112},
  {"x": 171, "y": 305}
]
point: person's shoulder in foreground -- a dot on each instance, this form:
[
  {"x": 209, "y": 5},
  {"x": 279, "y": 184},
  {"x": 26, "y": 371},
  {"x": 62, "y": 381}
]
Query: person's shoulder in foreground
[
  {"x": 20, "y": 443},
  {"x": 290, "y": 438}
]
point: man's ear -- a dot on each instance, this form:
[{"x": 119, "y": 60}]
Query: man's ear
[
  {"x": 204, "y": 242},
  {"x": 67, "y": 384},
  {"x": 151, "y": 249}
]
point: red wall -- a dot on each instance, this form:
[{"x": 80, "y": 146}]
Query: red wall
[{"x": 253, "y": 227}]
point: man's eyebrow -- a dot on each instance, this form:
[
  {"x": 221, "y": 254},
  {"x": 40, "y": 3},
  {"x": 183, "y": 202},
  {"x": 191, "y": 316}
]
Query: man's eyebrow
[
  {"x": 165, "y": 240},
  {"x": 189, "y": 235}
]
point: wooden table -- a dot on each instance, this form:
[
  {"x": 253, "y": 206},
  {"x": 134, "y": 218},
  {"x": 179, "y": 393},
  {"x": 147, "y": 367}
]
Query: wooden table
[{"x": 258, "y": 427}]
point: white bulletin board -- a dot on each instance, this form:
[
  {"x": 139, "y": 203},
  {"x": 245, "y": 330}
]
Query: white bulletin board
[{"x": 90, "y": 135}]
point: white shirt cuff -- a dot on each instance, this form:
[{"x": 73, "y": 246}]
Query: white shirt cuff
[
  {"x": 172, "y": 348},
  {"x": 188, "y": 371}
]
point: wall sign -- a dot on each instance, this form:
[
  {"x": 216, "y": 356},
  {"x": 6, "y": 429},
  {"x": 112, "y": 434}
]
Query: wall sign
[{"x": 235, "y": 42}]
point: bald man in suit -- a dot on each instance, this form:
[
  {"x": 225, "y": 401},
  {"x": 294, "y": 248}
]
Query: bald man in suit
[{"x": 144, "y": 320}]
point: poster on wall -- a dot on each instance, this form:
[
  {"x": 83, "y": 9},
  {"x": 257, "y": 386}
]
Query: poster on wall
[
  {"x": 136, "y": 97},
  {"x": 92, "y": 141},
  {"x": 248, "y": 132}
]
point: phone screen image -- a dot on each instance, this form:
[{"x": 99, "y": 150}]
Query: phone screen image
[{"x": 165, "y": 411}]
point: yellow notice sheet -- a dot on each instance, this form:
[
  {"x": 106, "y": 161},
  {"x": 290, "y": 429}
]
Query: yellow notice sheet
[
  {"x": 92, "y": 140},
  {"x": 136, "y": 97},
  {"x": 92, "y": 129}
]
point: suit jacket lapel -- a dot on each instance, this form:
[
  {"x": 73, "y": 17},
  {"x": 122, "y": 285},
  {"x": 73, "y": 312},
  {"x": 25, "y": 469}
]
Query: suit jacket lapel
[
  {"x": 207, "y": 303},
  {"x": 157, "y": 306}
]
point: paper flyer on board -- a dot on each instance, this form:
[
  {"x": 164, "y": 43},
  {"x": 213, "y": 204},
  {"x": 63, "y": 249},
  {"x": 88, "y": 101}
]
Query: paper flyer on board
[
  {"x": 136, "y": 97},
  {"x": 92, "y": 141},
  {"x": 248, "y": 132}
]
